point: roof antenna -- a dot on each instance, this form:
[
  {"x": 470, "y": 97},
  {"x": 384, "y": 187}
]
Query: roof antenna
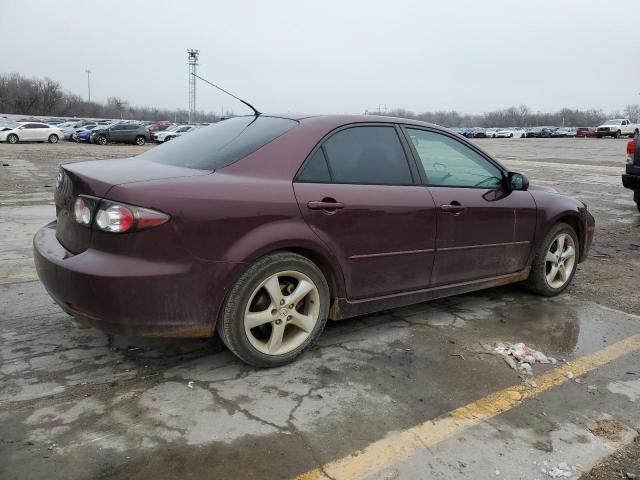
[{"x": 255, "y": 111}]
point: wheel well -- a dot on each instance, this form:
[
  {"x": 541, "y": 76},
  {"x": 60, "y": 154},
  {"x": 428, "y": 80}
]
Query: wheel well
[
  {"x": 323, "y": 264},
  {"x": 575, "y": 223}
]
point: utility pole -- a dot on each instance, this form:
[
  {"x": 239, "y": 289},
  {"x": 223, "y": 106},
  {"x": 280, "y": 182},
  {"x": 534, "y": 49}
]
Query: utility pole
[
  {"x": 89, "y": 83},
  {"x": 192, "y": 61}
]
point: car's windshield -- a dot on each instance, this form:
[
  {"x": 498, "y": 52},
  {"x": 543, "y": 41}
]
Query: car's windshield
[
  {"x": 220, "y": 144},
  {"x": 614, "y": 121}
]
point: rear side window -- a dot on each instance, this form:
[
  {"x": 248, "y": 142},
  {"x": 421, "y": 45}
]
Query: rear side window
[
  {"x": 363, "y": 155},
  {"x": 316, "y": 169},
  {"x": 220, "y": 144}
]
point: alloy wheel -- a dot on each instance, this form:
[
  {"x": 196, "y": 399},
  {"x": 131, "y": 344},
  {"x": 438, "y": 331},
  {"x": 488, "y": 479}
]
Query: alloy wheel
[
  {"x": 282, "y": 312},
  {"x": 560, "y": 260}
]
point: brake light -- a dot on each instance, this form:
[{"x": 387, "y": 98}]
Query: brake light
[
  {"x": 631, "y": 150},
  {"x": 115, "y": 217}
]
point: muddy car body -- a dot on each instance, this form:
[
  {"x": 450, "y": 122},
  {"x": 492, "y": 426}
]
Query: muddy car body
[{"x": 346, "y": 213}]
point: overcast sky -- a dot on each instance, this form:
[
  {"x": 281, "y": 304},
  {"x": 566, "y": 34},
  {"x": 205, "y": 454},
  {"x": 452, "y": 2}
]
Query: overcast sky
[{"x": 343, "y": 56}]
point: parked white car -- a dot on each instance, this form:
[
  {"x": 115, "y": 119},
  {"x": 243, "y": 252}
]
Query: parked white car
[
  {"x": 31, "y": 132},
  {"x": 511, "y": 133},
  {"x": 168, "y": 134},
  {"x": 491, "y": 132},
  {"x": 617, "y": 127}
]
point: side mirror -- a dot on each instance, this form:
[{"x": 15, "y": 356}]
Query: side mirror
[{"x": 517, "y": 181}]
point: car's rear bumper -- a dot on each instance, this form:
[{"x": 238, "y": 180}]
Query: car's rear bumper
[
  {"x": 132, "y": 296},
  {"x": 631, "y": 181}
]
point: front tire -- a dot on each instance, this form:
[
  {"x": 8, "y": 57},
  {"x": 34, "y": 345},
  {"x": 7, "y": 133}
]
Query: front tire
[
  {"x": 53, "y": 138},
  {"x": 555, "y": 263},
  {"x": 101, "y": 140},
  {"x": 617, "y": 134},
  {"x": 140, "y": 140},
  {"x": 276, "y": 310},
  {"x": 12, "y": 138}
]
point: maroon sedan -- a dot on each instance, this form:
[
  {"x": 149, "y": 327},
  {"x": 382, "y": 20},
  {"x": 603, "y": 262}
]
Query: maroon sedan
[
  {"x": 263, "y": 227},
  {"x": 586, "y": 132}
]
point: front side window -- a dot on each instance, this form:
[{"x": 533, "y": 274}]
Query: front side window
[
  {"x": 449, "y": 163},
  {"x": 367, "y": 155}
]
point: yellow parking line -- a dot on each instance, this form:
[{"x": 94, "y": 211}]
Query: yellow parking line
[{"x": 384, "y": 453}]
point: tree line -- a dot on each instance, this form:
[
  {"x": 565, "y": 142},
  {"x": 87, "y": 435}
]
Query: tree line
[
  {"x": 45, "y": 97},
  {"x": 34, "y": 96},
  {"x": 520, "y": 116}
]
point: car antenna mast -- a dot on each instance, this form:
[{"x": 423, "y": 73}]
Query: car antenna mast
[{"x": 255, "y": 111}]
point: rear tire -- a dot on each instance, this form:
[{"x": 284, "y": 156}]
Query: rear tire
[
  {"x": 101, "y": 140},
  {"x": 551, "y": 273},
  {"x": 12, "y": 138},
  {"x": 265, "y": 296},
  {"x": 53, "y": 138},
  {"x": 140, "y": 140}
]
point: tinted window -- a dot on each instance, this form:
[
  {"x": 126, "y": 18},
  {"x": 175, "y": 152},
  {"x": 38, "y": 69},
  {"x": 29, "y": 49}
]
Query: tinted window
[
  {"x": 40, "y": 125},
  {"x": 315, "y": 170},
  {"x": 118, "y": 127},
  {"x": 448, "y": 162},
  {"x": 368, "y": 155},
  {"x": 220, "y": 144}
]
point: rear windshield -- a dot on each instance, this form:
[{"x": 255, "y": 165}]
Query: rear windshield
[{"x": 220, "y": 144}]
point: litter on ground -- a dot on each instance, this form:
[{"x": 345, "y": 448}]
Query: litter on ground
[
  {"x": 561, "y": 471},
  {"x": 520, "y": 357}
]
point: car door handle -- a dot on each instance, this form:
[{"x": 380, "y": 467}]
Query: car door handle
[
  {"x": 325, "y": 204},
  {"x": 453, "y": 207}
]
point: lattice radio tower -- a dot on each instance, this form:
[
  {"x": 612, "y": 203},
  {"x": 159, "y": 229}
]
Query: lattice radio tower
[{"x": 192, "y": 61}]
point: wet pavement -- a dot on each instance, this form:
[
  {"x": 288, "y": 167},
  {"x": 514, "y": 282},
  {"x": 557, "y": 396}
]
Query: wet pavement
[{"x": 76, "y": 403}]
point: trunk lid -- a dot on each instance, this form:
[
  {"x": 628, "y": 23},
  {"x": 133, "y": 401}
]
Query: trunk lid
[{"x": 95, "y": 179}]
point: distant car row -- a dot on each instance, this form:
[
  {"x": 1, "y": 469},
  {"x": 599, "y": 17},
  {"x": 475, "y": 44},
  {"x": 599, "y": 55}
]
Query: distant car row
[
  {"x": 616, "y": 128},
  {"x": 532, "y": 132},
  {"x": 98, "y": 132}
]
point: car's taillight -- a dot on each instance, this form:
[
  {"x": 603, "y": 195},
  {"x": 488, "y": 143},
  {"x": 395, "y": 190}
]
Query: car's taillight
[
  {"x": 631, "y": 150},
  {"x": 83, "y": 209},
  {"x": 115, "y": 217}
]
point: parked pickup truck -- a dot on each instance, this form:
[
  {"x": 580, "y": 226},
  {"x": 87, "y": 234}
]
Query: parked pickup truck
[
  {"x": 617, "y": 128},
  {"x": 631, "y": 179}
]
